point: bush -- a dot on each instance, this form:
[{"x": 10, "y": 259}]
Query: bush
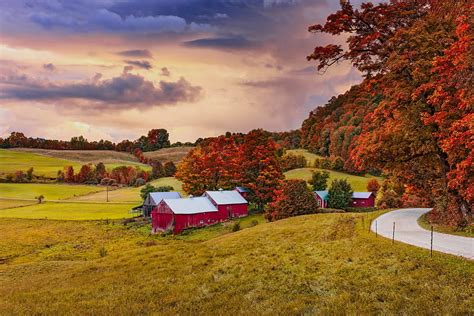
[
  {"x": 360, "y": 209},
  {"x": 236, "y": 227},
  {"x": 340, "y": 194},
  {"x": 292, "y": 200},
  {"x": 253, "y": 223},
  {"x": 338, "y": 164},
  {"x": 319, "y": 180},
  {"x": 102, "y": 252},
  {"x": 290, "y": 161},
  {"x": 139, "y": 182}
]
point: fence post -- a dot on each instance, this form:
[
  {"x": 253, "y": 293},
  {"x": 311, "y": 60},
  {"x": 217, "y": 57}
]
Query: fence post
[
  {"x": 376, "y": 233},
  {"x": 431, "y": 248},
  {"x": 393, "y": 233},
  {"x": 370, "y": 224}
]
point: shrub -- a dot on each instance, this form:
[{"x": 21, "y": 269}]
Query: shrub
[
  {"x": 164, "y": 188},
  {"x": 319, "y": 180},
  {"x": 253, "y": 223},
  {"x": 293, "y": 199},
  {"x": 40, "y": 198},
  {"x": 338, "y": 164},
  {"x": 236, "y": 227},
  {"x": 340, "y": 194},
  {"x": 139, "y": 182},
  {"x": 102, "y": 252}
]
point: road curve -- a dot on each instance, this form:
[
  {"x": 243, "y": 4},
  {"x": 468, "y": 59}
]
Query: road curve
[{"x": 408, "y": 231}]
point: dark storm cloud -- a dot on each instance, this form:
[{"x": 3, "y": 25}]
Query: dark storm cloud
[
  {"x": 139, "y": 53},
  {"x": 125, "y": 91},
  {"x": 139, "y": 63},
  {"x": 222, "y": 43}
]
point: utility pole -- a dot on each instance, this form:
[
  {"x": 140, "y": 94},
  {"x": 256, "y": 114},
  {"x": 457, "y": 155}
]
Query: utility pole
[
  {"x": 431, "y": 248},
  {"x": 107, "y": 192},
  {"x": 393, "y": 233}
]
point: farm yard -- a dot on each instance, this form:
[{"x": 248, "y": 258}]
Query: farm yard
[{"x": 316, "y": 264}]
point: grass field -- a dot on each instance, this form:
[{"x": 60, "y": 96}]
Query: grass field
[
  {"x": 49, "y": 191},
  {"x": 318, "y": 264},
  {"x": 174, "y": 154},
  {"x": 84, "y": 156},
  {"x": 358, "y": 183},
  {"x": 14, "y": 203},
  {"x": 310, "y": 157},
  {"x": 11, "y": 161},
  {"x": 129, "y": 194},
  {"x": 70, "y": 211}
]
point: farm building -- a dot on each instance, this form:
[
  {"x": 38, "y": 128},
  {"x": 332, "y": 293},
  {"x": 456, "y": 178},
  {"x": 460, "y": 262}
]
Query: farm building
[
  {"x": 363, "y": 199},
  {"x": 230, "y": 203},
  {"x": 243, "y": 191},
  {"x": 179, "y": 214},
  {"x": 322, "y": 198},
  {"x": 154, "y": 198},
  {"x": 359, "y": 199}
]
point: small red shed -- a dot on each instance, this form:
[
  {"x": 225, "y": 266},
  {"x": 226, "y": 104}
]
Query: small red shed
[
  {"x": 229, "y": 203},
  {"x": 243, "y": 191},
  {"x": 179, "y": 214},
  {"x": 363, "y": 199}
]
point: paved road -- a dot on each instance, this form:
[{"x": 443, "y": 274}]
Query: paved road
[{"x": 408, "y": 231}]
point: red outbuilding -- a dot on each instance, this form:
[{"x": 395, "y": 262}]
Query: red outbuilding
[
  {"x": 229, "y": 203},
  {"x": 363, "y": 199},
  {"x": 179, "y": 214}
]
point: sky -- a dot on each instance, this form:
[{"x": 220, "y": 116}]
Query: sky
[{"x": 114, "y": 69}]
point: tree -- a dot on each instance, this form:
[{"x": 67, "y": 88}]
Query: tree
[
  {"x": 148, "y": 188},
  {"x": 261, "y": 170},
  {"x": 29, "y": 174},
  {"x": 290, "y": 161},
  {"x": 338, "y": 164},
  {"x": 319, "y": 180},
  {"x": 40, "y": 199},
  {"x": 69, "y": 174},
  {"x": 157, "y": 170},
  {"x": 85, "y": 174},
  {"x": 292, "y": 199},
  {"x": 100, "y": 171},
  {"x": 169, "y": 169},
  {"x": 340, "y": 194},
  {"x": 373, "y": 186}
]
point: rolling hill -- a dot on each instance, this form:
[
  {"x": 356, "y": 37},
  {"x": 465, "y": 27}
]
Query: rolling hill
[
  {"x": 317, "y": 264},
  {"x": 174, "y": 154}
]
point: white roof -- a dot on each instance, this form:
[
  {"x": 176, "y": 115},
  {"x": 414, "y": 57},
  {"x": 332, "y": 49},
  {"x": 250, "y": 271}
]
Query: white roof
[
  {"x": 226, "y": 197},
  {"x": 191, "y": 206},
  {"x": 156, "y": 197},
  {"x": 361, "y": 195}
]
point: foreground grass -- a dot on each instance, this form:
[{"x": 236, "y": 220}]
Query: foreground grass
[
  {"x": 466, "y": 231},
  {"x": 318, "y": 264},
  {"x": 48, "y": 166},
  {"x": 129, "y": 194},
  {"x": 69, "y": 211},
  {"x": 51, "y": 191},
  {"x": 14, "y": 203},
  {"x": 358, "y": 183}
]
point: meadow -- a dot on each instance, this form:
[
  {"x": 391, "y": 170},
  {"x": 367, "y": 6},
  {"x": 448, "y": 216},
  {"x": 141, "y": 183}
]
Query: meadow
[
  {"x": 316, "y": 264},
  {"x": 310, "y": 157},
  {"x": 358, "y": 183},
  {"x": 48, "y": 166},
  {"x": 174, "y": 154},
  {"x": 51, "y": 191}
]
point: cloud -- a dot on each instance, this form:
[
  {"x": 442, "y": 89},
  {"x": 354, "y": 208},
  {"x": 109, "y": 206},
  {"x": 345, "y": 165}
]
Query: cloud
[
  {"x": 139, "y": 63},
  {"x": 49, "y": 67},
  {"x": 125, "y": 91},
  {"x": 139, "y": 53},
  {"x": 165, "y": 72},
  {"x": 236, "y": 42}
]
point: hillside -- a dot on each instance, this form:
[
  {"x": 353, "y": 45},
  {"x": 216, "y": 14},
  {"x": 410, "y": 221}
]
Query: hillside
[
  {"x": 174, "y": 154},
  {"x": 48, "y": 166},
  {"x": 358, "y": 183},
  {"x": 85, "y": 156},
  {"x": 310, "y": 157},
  {"x": 319, "y": 264}
]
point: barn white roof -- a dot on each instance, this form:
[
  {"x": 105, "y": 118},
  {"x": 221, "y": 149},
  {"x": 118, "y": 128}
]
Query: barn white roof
[
  {"x": 226, "y": 197},
  {"x": 156, "y": 197},
  {"x": 191, "y": 206},
  {"x": 361, "y": 195}
]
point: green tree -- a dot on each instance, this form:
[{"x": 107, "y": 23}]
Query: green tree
[
  {"x": 340, "y": 194},
  {"x": 29, "y": 174},
  {"x": 148, "y": 188},
  {"x": 319, "y": 180}
]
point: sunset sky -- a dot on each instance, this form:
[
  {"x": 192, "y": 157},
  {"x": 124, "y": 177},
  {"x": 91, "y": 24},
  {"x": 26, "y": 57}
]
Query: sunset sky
[{"x": 114, "y": 69}]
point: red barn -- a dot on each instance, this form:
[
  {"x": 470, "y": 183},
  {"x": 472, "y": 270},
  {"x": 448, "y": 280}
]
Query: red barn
[
  {"x": 363, "y": 199},
  {"x": 229, "y": 203},
  {"x": 243, "y": 191},
  {"x": 179, "y": 214}
]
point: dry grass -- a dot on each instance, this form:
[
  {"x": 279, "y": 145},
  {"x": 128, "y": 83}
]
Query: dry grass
[
  {"x": 174, "y": 154},
  {"x": 318, "y": 264}
]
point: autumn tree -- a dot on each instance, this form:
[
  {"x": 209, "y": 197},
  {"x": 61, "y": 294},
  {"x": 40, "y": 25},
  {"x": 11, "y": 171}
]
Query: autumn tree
[
  {"x": 169, "y": 169},
  {"x": 319, "y": 180},
  {"x": 291, "y": 161},
  {"x": 69, "y": 174},
  {"x": 29, "y": 174},
  {"x": 157, "y": 170},
  {"x": 373, "y": 186},
  {"x": 340, "y": 194},
  {"x": 292, "y": 199},
  {"x": 415, "y": 58},
  {"x": 100, "y": 171}
]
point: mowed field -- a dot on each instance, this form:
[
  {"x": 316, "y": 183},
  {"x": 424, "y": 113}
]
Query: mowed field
[
  {"x": 358, "y": 183},
  {"x": 174, "y": 154},
  {"x": 316, "y": 264},
  {"x": 48, "y": 166}
]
